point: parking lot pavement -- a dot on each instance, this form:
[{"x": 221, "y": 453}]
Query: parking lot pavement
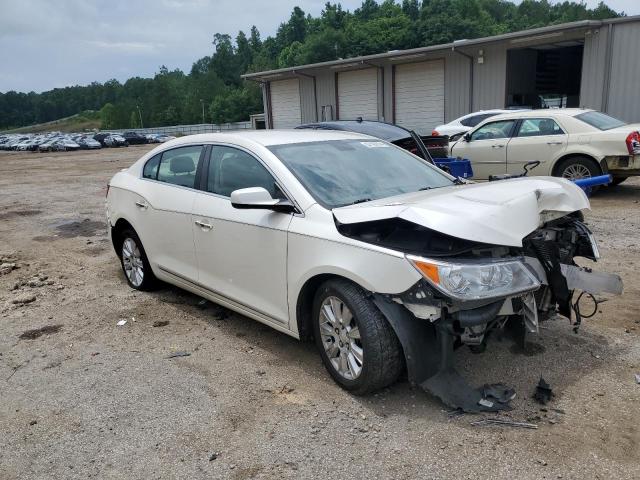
[{"x": 83, "y": 397}]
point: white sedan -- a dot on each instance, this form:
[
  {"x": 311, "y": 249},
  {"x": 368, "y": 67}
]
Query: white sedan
[
  {"x": 462, "y": 125},
  {"x": 382, "y": 258},
  {"x": 570, "y": 143}
]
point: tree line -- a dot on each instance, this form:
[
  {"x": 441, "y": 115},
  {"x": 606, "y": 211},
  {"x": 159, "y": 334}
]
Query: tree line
[{"x": 214, "y": 86}]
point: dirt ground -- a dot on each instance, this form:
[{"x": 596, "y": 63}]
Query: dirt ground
[{"x": 82, "y": 397}]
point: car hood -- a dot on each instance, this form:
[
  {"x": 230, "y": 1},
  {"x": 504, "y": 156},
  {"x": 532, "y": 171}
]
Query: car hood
[{"x": 498, "y": 213}]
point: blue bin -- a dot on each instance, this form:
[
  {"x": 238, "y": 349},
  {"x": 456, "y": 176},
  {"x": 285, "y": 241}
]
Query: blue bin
[{"x": 455, "y": 166}]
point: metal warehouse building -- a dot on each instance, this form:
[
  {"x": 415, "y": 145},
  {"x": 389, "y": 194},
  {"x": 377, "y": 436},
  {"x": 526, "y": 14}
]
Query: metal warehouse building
[{"x": 591, "y": 63}]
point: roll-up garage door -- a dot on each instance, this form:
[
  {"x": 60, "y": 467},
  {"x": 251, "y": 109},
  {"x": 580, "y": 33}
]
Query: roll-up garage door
[
  {"x": 358, "y": 94},
  {"x": 419, "y": 95},
  {"x": 285, "y": 103}
]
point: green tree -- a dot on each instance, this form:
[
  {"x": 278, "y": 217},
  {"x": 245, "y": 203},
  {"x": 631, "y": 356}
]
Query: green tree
[{"x": 107, "y": 116}]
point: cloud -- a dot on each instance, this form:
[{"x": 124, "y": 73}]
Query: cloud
[{"x": 46, "y": 44}]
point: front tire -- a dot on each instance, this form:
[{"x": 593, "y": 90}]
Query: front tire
[
  {"x": 357, "y": 345},
  {"x": 134, "y": 262}
]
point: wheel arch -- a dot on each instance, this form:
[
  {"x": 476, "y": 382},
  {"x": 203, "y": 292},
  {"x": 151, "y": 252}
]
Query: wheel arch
[
  {"x": 120, "y": 226},
  {"x": 601, "y": 165},
  {"x": 304, "y": 301}
]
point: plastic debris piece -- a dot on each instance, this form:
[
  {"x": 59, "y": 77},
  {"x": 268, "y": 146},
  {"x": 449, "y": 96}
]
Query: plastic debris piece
[
  {"x": 543, "y": 392},
  {"x": 121, "y": 323},
  {"x": 485, "y": 403},
  {"x": 638, "y": 378},
  {"x": 179, "y": 354}
]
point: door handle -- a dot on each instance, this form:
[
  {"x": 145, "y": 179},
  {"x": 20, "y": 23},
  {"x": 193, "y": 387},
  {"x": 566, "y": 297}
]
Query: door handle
[
  {"x": 204, "y": 226},
  {"x": 142, "y": 205},
  {"x": 554, "y": 143},
  {"x": 497, "y": 146}
]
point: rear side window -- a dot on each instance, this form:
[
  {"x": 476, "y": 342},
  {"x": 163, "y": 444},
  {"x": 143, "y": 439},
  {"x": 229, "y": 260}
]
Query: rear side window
[
  {"x": 178, "y": 166},
  {"x": 151, "y": 168},
  {"x": 476, "y": 119},
  {"x": 536, "y": 127},
  {"x": 232, "y": 169},
  {"x": 600, "y": 120}
]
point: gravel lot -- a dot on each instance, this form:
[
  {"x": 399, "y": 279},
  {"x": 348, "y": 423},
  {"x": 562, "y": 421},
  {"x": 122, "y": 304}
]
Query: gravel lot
[{"x": 84, "y": 397}]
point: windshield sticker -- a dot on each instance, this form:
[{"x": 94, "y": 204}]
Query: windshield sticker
[{"x": 374, "y": 144}]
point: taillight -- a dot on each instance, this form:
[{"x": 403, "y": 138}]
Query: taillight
[
  {"x": 435, "y": 133},
  {"x": 633, "y": 143}
]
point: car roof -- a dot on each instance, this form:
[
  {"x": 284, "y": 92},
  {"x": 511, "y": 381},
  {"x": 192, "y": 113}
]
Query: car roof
[
  {"x": 543, "y": 112},
  {"x": 383, "y": 130},
  {"x": 269, "y": 137}
]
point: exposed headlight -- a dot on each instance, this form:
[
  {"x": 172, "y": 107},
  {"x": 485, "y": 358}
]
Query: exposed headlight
[{"x": 476, "y": 280}]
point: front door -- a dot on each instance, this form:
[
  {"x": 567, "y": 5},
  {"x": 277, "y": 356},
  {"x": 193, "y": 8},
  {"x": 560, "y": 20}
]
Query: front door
[
  {"x": 537, "y": 139},
  {"x": 242, "y": 254},
  {"x": 487, "y": 148}
]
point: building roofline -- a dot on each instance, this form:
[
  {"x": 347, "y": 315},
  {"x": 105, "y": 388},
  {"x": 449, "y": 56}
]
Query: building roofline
[{"x": 582, "y": 24}]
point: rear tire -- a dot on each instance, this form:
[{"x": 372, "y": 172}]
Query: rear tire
[
  {"x": 359, "y": 348},
  {"x": 134, "y": 262},
  {"x": 574, "y": 168}
]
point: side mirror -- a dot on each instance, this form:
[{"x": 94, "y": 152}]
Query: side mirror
[
  {"x": 467, "y": 137},
  {"x": 257, "y": 198}
]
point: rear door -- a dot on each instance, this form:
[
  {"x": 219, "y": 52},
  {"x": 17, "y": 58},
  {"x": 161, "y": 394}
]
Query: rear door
[
  {"x": 163, "y": 207},
  {"x": 242, "y": 254},
  {"x": 487, "y": 148},
  {"x": 536, "y": 139}
]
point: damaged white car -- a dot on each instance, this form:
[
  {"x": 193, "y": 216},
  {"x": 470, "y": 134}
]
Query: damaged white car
[{"x": 386, "y": 261}]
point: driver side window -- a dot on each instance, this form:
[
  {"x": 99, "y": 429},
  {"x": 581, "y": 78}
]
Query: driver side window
[
  {"x": 232, "y": 169},
  {"x": 494, "y": 130}
]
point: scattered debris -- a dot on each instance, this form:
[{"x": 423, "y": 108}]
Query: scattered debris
[
  {"x": 213, "y": 456},
  {"x": 503, "y": 421},
  {"x": 121, "y": 322},
  {"x": 543, "y": 392},
  {"x": 179, "y": 354},
  {"x": 95, "y": 353},
  {"x": 7, "y": 267},
  {"x": 161, "y": 323},
  {"x": 24, "y": 299},
  {"x": 33, "y": 422},
  {"x": 286, "y": 389},
  {"x": 637, "y": 375},
  {"x": 38, "y": 332}
]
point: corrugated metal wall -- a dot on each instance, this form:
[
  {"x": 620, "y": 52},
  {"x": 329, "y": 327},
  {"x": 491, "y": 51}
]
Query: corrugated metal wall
[
  {"x": 593, "y": 69},
  {"x": 326, "y": 92},
  {"x": 623, "y": 99},
  {"x": 307, "y": 100},
  {"x": 456, "y": 86},
  {"x": 489, "y": 78}
]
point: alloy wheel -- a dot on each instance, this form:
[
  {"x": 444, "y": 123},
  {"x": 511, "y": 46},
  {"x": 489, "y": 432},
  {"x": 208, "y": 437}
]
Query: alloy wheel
[
  {"x": 341, "y": 338},
  {"x": 576, "y": 171},
  {"x": 132, "y": 262}
]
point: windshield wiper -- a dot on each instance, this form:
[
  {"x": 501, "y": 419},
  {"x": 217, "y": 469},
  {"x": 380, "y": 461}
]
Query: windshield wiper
[{"x": 361, "y": 200}]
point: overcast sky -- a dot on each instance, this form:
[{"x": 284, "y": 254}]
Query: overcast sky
[{"x": 46, "y": 44}]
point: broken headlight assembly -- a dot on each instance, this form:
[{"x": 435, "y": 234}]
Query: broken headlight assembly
[{"x": 473, "y": 280}]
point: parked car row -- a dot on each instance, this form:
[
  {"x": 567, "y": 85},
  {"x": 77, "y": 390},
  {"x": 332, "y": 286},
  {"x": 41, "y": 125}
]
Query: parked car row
[{"x": 63, "y": 142}]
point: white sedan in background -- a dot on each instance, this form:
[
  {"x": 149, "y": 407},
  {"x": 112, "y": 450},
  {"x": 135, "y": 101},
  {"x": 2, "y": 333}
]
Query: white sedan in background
[
  {"x": 462, "y": 125},
  {"x": 382, "y": 258},
  {"x": 571, "y": 143}
]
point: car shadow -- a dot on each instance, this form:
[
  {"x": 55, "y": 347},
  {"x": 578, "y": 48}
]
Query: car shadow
[{"x": 556, "y": 354}]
